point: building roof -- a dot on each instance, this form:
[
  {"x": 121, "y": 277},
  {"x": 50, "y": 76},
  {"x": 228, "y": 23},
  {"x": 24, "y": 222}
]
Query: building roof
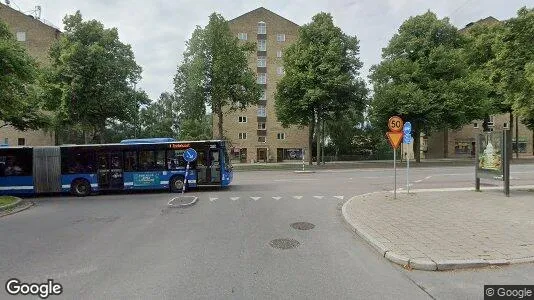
[
  {"x": 487, "y": 20},
  {"x": 42, "y": 22},
  {"x": 261, "y": 9}
]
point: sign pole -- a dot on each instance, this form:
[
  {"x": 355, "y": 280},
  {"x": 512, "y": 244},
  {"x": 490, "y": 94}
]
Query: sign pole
[
  {"x": 185, "y": 178},
  {"x": 395, "y": 171},
  {"x": 407, "y": 173},
  {"x": 303, "y": 152}
]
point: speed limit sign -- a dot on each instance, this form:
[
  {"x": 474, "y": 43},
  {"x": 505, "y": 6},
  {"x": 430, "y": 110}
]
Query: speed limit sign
[{"x": 395, "y": 124}]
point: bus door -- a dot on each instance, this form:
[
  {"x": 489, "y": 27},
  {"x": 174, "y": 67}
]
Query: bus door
[
  {"x": 215, "y": 166},
  {"x": 110, "y": 171}
]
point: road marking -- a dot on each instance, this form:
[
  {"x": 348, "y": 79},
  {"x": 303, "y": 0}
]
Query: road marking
[
  {"x": 339, "y": 197},
  {"x": 318, "y": 197},
  {"x": 255, "y": 198},
  {"x": 295, "y": 179},
  {"x": 234, "y": 198},
  {"x": 277, "y": 198},
  {"x": 213, "y": 199},
  {"x": 297, "y": 197},
  {"x": 428, "y": 177}
]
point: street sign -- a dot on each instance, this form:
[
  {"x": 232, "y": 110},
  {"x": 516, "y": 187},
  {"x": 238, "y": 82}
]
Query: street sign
[
  {"x": 407, "y": 138},
  {"x": 394, "y": 138},
  {"x": 395, "y": 124},
  {"x": 190, "y": 155},
  {"x": 407, "y": 129}
]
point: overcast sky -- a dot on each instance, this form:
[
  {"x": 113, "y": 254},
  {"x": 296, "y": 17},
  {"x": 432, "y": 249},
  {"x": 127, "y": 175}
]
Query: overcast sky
[{"x": 157, "y": 30}]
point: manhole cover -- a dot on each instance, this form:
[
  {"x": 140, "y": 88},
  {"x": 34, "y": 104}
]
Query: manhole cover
[
  {"x": 302, "y": 225},
  {"x": 284, "y": 243}
]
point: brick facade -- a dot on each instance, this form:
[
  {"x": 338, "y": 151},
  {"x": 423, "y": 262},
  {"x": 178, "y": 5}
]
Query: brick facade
[
  {"x": 39, "y": 38},
  {"x": 296, "y": 138}
]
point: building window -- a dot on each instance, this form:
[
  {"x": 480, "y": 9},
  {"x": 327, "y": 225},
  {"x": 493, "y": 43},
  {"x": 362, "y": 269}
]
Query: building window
[
  {"x": 22, "y": 142},
  {"x": 475, "y": 125},
  {"x": 21, "y": 36},
  {"x": 261, "y": 111},
  {"x": 262, "y": 62},
  {"x": 262, "y": 28},
  {"x": 262, "y": 139},
  {"x": 242, "y": 36},
  {"x": 281, "y": 136},
  {"x": 280, "y": 70},
  {"x": 521, "y": 145},
  {"x": 280, "y": 37},
  {"x": 279, "y": 53},
  {"x": 261, "y": 126},
  {"x": 6, "y": 141},
  {"x": 242, "y": 135},
  {"x": 262, "y": 78},
  {"x": 263, "y": 95},
  {"x": 262, "y": 45},
  {"x": 505, "y": 125},
  {"x": 242, "y": 119}
]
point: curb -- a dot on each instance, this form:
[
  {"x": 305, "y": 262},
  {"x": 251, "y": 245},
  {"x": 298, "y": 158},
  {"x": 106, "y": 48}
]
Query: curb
[
  {"x": 303, "y": 172},
  {"x": 4, "y": 213},
  {"x": 8, "y": 206},
  {"x": 422, "y": 263}
]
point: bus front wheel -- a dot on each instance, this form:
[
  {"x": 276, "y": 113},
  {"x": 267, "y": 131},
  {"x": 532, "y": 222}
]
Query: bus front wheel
[
  {"x": 80, "y": 188},
  {"x": 177, "y": 184}
]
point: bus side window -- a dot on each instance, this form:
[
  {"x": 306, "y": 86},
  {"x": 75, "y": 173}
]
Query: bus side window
[
  {"x": 130, "y": 160},
  {"x": 17, "y": 163},
  {"x": 147, "y": 160},
  {"x": 175, "y": 159}
]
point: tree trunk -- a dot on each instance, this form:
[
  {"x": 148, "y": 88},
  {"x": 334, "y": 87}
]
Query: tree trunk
[
  {"x": 102, "y": 130},
  {"x": 516, "y": 137},
  {"x": 318, "y": 137},
  {"x": 322, "y": 142},
  {"x": 220, "y": 121},
  {"x": 511, "y": 125},
  {"x": 85, "y": 136},
  {"x": 417, "y": 144},
  {"x": 445, "y": 142},
  {"x": 310, "y": 139}
]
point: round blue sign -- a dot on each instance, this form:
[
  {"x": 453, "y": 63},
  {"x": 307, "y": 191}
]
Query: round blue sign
[
  {"x": 190, "y": 155},
  {"x": 407, "y": 128}
]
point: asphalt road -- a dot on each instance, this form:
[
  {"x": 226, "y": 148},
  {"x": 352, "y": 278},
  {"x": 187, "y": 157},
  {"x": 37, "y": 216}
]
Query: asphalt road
[{"x": 124, "y": 246}]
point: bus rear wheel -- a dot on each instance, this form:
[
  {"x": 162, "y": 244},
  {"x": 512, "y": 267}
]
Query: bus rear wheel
[
  {"x": 80, "y": 188},
  {"x": 177, "y": 183}
]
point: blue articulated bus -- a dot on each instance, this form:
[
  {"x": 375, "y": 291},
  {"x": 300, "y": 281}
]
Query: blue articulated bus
[{"x": 136, "y": 164}]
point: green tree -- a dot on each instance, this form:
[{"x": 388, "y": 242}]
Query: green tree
[
  {"x": 424, "y": 78},
  {"x": 161, "y": 118},
  {"x": 215, "y": 73},
  {"x": 19, "y": 93},
  {"x": 321, "y": 77},
  {"x": 92, "y": 77},
  {"x": 515, "y": 65}
]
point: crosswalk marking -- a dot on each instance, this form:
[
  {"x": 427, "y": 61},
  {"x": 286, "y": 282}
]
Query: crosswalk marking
[
  {"x": 318, "y": 197},
  {"x": 277, "y": 198},
  {"x": 339, "y": 197},
  {"x": 213, "y": 199},
  {"x": 234, "y": 198},
  {"x": 255, "y": 198},
  {"x": 297, "y": 197}
]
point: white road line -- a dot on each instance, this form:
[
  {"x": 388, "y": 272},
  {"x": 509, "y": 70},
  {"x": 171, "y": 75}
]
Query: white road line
[
  {"x": 339, "y": 197},
  {"x": 277, "y": 198},
  {"x": 297, "y": 197},
  {"x": 213, "y": 199},
  {"x": 295, "y": 179},
  {"x": 255, "y": 198},
  {"x": 234, "y": 198},
  {"x": 318, "y": 197}
]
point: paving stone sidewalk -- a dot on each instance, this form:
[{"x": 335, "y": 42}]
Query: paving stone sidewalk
[{"x": 446, "y": 230}]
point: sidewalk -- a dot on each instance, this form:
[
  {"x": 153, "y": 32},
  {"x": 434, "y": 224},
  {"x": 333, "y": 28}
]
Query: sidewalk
[{"x": 446, "y": 230}]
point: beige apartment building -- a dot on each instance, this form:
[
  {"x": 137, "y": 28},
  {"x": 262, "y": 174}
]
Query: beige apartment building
[
  {"x": 36, "y": 37},
  {"x": 461, "y": 143},
  {"x": 254, "y": 134}
]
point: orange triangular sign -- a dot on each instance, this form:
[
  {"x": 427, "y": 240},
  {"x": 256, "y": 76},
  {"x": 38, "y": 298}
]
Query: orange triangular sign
[{"x": 394, "y": 138}]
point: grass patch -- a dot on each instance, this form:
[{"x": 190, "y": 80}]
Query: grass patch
[{"x": 5, "y": 200}]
